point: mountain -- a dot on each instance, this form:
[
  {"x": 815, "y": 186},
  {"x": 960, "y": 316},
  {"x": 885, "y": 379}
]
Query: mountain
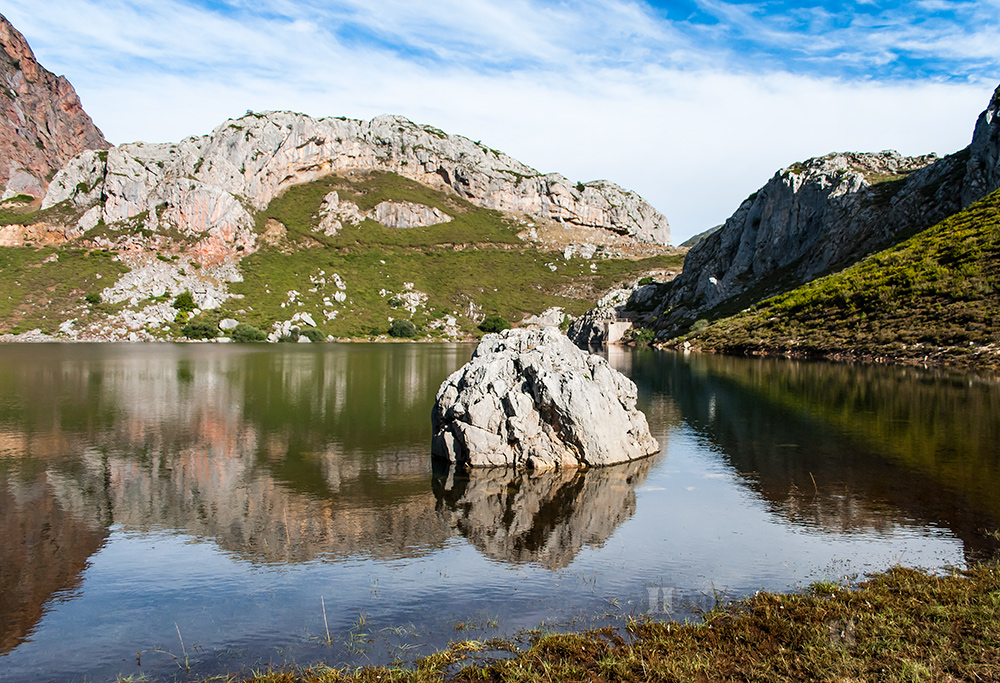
[
  {"x": 209, "y": 188},
  {"x": 277, "y": 224},
  {"x": 43, "y": 124},
  {"x": 821, "y": 215},
  {"x": 932, "y": 298}
]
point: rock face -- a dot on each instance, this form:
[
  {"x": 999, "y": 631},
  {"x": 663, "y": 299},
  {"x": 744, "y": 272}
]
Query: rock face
[
  {"x": 43, "y": 123},
  {"x": 408, "y": 215},
  {"x": 531, "y": 399},
  {"x": 209, "y": 186},
  {"x": 615, "y": 314},
  {"x": 822, "y": 215}
]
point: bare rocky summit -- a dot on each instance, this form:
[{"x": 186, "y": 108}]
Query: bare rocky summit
[
  {"x": 531, "y": 399},
  {"x": 43, "y": 123},
  {"x": 211, "y": 186}
]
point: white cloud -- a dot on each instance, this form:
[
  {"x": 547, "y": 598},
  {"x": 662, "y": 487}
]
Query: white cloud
[{"x": 591, "y": 90}]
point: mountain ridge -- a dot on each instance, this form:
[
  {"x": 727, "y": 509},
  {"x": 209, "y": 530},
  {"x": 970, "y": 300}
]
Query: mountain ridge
[{"x": 818, "y": 216}]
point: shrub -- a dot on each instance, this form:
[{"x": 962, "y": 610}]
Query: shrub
[
  {"x": 494, "y": 323},
  {"x": 402, "y": 328},
  {"x": 93, "y": 298},
  {"x": 291, "y": 337},
  {"x": 642, "y": 335},
  {"x": 244, "y": 333},
  {"x": 395, "y": 302},
  {"x": 648, "y": 280},
  {"x": 184, "y": 302},
  {"x": 699, "y": 325},
  {"x": 200, "y": 330},
  {"x": 312, "y": 334}
]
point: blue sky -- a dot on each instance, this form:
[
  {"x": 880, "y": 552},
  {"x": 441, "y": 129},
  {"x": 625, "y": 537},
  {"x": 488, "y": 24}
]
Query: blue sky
[{"x": 692, "y": 103}]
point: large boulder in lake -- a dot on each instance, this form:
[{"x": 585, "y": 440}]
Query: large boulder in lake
[{"x": 530, "y": 398}]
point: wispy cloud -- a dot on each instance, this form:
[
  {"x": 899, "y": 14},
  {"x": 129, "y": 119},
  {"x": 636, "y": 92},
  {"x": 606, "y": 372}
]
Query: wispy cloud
[{"x": 694, "y": 103}]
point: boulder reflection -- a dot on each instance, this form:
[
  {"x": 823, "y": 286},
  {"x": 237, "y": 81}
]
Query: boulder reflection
[{"x": 545, "y": 517}]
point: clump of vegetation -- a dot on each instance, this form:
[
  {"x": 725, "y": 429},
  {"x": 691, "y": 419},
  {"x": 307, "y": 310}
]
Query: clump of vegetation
[
  {"x": 184, "y": 302},
  {"x": 402, "y": 328},
  {"x": 494, "y": 323},
  {"x": 640, "y": 335},
  {"x": 935, "y": 296},
  {"x": 312, "y": 334},
  {"x": 244, "y": 333},
  {"x": 200, "y": 329},
  {"x": 94, "y": 298},
  {"x": 900, "y": 626},
  {"x": 291, "y": 337}
]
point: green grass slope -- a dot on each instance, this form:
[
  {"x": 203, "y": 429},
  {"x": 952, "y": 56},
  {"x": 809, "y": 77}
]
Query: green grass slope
[
  {"x": 454, "y": 272},
  {"x": 476, "y": 259},
  {"x": 934, "y": 297}
]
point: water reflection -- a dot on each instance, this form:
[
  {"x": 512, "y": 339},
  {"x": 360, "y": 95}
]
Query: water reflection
[
  {"x": 318, "y": 457},
  {"x": 544, "y": 517},
  {"x": 847, "y": 448}
]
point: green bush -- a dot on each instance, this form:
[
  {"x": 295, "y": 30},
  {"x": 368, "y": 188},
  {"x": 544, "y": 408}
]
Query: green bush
[
  {"x": 200, "y": 330},
  {"x": 313, "y": 335},
  {"x": 291, "y": 337},
  {"x": 244, "y": 333},
  {"x": 648, "y": 280},
  {"x": 494, "y": 323},
  {"x": 642, "y": 335},
  {"x": 93, "y": 298},
  {"x": 699, "y": 325},
  {"x": 403, "y": 328},
  {"x": 184, "y": 302}
]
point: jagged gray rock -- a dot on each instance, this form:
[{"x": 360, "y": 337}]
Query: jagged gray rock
[
  {"x": 531, "y": 399},
  {"x": 212, "y": 184},
  {"x": 407, "y": 215},
  {"x": 616, "y": 313},
  {"x": 822, "y": 215}
]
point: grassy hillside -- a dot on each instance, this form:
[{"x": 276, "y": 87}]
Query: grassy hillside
[
  {"x": 476, "y": 259},
  {"x": 935, "y": 296},
  {"x": 444, "y": 278}
]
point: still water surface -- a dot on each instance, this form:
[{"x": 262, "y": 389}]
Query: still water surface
[{"x": 252, "y": 501}]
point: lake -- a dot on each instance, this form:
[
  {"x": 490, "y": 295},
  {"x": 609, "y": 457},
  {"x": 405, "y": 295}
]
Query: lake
[{"x": 225, "y": 507}]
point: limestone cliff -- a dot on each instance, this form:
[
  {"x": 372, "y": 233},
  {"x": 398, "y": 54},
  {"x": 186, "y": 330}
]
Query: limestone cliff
[
  {"x": 210, "y": 186},
  {"x": 43, "y": 124},
  {"x": 821, "y": 215}
]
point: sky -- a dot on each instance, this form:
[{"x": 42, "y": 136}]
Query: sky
[{"x": 694, "y": 104}]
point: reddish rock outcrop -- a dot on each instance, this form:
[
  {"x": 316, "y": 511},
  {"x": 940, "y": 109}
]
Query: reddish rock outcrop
[{"x": 43, "y": 124}]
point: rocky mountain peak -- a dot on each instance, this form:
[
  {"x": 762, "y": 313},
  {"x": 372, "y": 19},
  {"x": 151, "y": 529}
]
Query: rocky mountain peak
[
  {"x": 43, "y": 123},
  {"x": 211, "y": 185}
]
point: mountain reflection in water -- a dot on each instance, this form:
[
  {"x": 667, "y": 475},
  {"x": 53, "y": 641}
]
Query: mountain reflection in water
[
  {"x": 313, "y": 462},
  {"x": 848, "y": 448}
]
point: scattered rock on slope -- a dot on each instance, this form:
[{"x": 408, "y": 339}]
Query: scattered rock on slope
[{"x": 531, "y": 399}]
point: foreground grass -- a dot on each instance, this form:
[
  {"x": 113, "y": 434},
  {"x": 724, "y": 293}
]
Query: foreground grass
[
  {"x": 903, "y": 625},
  {"x": 935, "y": 296}
]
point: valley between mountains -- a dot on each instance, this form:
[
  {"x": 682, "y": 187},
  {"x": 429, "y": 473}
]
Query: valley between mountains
[{"x": 283, "y": 227}]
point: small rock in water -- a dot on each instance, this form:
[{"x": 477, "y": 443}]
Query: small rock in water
[{"x": 531, "y": 399}]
